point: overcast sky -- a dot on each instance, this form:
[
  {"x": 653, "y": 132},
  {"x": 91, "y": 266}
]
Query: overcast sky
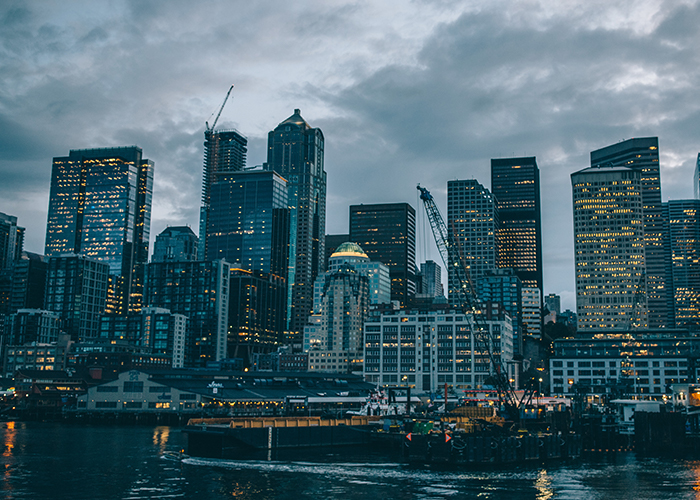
[{"x": 405, "y": 93}]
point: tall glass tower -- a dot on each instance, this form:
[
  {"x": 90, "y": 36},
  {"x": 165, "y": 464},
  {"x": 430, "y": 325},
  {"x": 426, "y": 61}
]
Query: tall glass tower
[
  {"x": 224, "y": 152},
  {"x": 249, "y": 223},
  {"x": 295, "y": 151},
  {"x": 515, "y": 182},
  {"x": 642, "y": 155},
  {"x": 387, "y": 234},
  {"x": 609, "y": 248},
  {"x": 100, "y": 207}
]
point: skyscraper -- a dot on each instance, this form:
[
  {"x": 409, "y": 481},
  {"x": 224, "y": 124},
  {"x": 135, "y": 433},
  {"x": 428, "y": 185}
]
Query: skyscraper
[
  {"x": 642, "y": 155},
  {"x": 249, "y": 227},
  {"x": 76, "y": 289},
  {"x": 198, "y": 290},
  {"x": 684, "y": 260},
  {"x": 431, "y": 279},
  {"x": 515, "y": 183},
  {"x": 472, "y": 215},
  {"x": 387, "y": 234},
  {"x": 295, "y": 151},
  {"x": 609, "y": 248},
  {"x": 334, "y": 337},
  {"x": 100, "y": 207},
  {"x": 224, "y": 152},
  {"x": 11, "y": 241}
]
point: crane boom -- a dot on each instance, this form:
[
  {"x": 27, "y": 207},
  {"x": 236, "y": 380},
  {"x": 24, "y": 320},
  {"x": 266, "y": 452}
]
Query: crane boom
[
  {"x": 211, "y": 129},
  {"x": 461, "y": 288}
]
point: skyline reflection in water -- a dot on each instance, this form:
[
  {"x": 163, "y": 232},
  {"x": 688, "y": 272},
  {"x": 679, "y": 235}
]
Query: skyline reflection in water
[{"x": 64, "y": 461}]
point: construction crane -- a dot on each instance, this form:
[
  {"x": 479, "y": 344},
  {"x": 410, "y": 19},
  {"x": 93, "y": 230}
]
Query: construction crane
[
  {"x": 461, "y": 288},
  {"x": 210, "y": 130}
]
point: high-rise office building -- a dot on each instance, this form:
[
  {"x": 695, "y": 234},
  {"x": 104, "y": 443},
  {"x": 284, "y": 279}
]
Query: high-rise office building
[
  {"x": 198, "y": 290},
  {"x": 503, "y": 287},
  {"x": 333, "y": 337},
  {"x": 683, "y": 257},
  {"x": 472, "y": 215},
  {"x": 295, "y": 151},
  {"x": 609, "y": 248},
  {"x": 76, "y": 288},
  {"x": 29, "y": 282},
  {"x": 224, "y": 152},
  {"x": 100, "y": 207},
  {"x": 515, "y": 183},
  {"x": 642, "y": 155},
  {"x": 175, "y": 244},
  {"x": 387, "y": 233},
  {"x": 431, "y": 279},
  {"x": 11, "y": 241},
  {"x": 249, "y": 227}
]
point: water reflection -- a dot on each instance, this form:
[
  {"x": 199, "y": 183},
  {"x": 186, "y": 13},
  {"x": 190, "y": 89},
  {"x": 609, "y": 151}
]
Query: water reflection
[{"x": 543, "y": 485}]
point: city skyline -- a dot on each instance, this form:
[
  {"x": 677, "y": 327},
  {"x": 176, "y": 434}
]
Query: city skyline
[{"x": 422, "y": 93}]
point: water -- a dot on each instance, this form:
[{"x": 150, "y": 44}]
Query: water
[{"x": 62, "y": 461}]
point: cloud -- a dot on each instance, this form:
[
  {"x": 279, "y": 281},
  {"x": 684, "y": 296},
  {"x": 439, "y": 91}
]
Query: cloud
[{"x": 425, "y": 91}]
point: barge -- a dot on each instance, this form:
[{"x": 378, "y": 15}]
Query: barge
[{"x": 231, "y": 437}]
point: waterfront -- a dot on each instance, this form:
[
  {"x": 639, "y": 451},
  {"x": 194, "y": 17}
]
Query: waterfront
[{"x": 61, "y": 461}]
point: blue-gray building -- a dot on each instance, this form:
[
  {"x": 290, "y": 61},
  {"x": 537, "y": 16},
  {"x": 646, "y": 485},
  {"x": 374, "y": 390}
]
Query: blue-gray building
[{"x": 249, "y": 218}]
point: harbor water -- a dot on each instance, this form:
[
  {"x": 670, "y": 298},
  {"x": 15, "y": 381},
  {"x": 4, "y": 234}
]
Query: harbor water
[{"x": 65, "y": 461}]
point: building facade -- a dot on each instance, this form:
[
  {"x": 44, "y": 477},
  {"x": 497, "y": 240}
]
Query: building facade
[
  {"x": 224, "y": 152},
  {"x": 427, "y": 349},
  {"x": 619, "y": 363},
  {"x": 683, "y": 259},
  {"x": 76, "y": 289},
  {"x": 249, "y": 222},
  {"x": 333, "y": 336},
  {"x": 199, "y": 290},
  {"x": 100, "y": 207},
  {"x": 175, "y": 244},
  {"x": 295, "y": 151},
  {"x": 515, "y": 183},
  {"x": 642, "y": 155},
  {"x": 503, "y": 287},
  {"x": 471, "y": 212},
  {"x": 387, "y": 234},
  {"x": 11, "y": 241},
  {"x": 153, "y": 328},
  {"x": 609, "y": 248}
]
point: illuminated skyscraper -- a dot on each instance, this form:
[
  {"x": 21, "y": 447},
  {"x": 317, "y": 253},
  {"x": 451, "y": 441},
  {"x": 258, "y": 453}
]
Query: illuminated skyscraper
[
  {"x": 100, "y": 207},
  {"x": 224, "y": 152},
  {"x": 609, "y": 248},
  {"x": 684, "y": 259},
  {"x": 472, "y": 215},
  {"x": 249, "y": 223},
  {"x": 295, "y": 151},
  {"x": 515, "y": 183},
  {"x": 642, "y": 155},
  {"x": 387, "y": 234}
]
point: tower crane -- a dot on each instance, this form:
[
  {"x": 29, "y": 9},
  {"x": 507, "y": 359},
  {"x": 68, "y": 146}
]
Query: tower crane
[
  {"x": 210, "y": 130},
  {"x": 461, "y": 288}
]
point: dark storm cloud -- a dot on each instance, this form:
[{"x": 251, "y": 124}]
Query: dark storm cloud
[{"x": 404, "y": 93}]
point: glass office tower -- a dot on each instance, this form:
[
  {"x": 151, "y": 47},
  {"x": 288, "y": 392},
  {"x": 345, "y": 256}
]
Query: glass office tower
[
  {"x": 387, "y": 234},
  {"x": 295, "y": 151},
  {"x": 100, "y": 207}
]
